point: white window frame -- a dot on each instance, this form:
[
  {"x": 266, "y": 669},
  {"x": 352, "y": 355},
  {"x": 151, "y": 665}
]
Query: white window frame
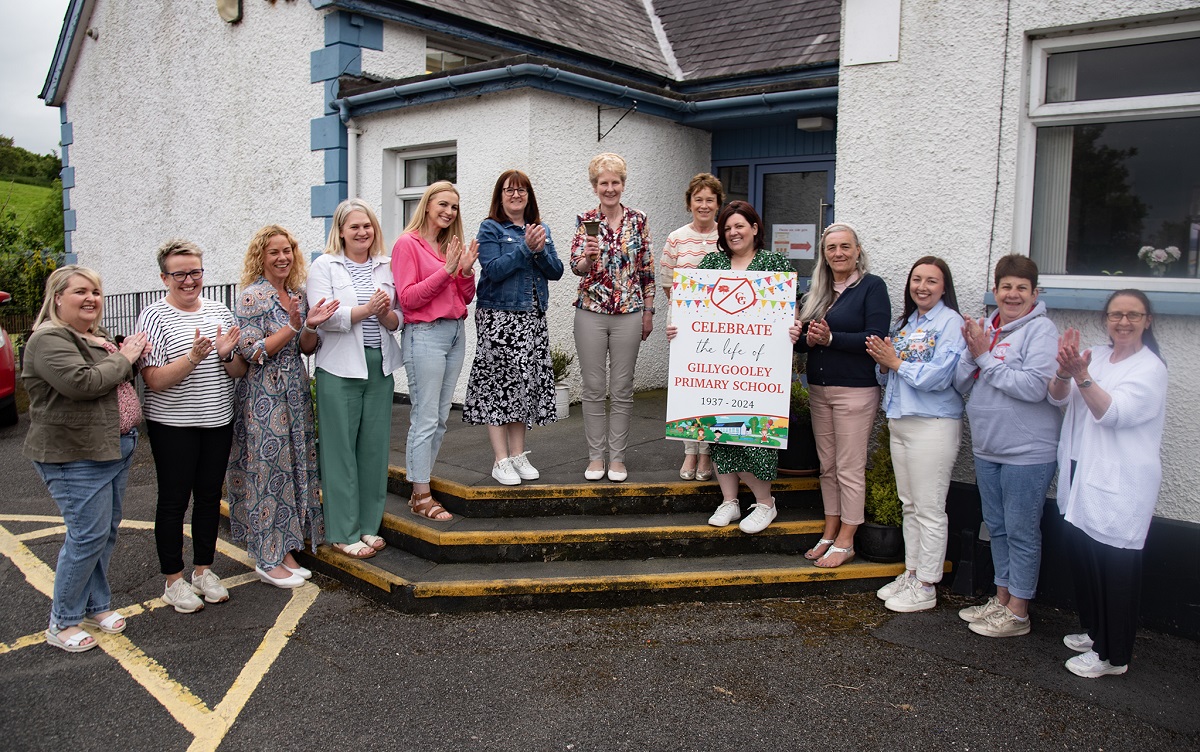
[
  {"x": 396, "y": 192},
  {"x": 1039, "y": 114}
]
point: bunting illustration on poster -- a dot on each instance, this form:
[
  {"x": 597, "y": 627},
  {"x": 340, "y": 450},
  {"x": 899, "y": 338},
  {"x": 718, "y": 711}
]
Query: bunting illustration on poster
[{"x": 731, "y": 361}]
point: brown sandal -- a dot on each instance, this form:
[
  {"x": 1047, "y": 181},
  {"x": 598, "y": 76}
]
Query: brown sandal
[{"x": 423, "y": 505}]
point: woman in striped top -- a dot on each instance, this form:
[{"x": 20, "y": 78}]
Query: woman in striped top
[
  {"x": 685, "y": 249},
  {"x": 189, "y": 373}
]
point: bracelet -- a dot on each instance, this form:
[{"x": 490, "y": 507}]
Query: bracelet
[
  {"x": 294, "y": 329},
  {"x": 189, "y": 359},
  {"x": 309, "y": 329},
  {"x": 1060, "y": 377},
  {"x": 228, "y": 358}
]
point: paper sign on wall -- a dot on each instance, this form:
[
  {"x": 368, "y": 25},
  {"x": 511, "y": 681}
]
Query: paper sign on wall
[
  {"x": 731, "y": 362},
  {"x": 794, "y": 241}
]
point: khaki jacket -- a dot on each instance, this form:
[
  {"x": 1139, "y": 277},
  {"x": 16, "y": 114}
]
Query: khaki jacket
[{"x": 72, "y": 386}]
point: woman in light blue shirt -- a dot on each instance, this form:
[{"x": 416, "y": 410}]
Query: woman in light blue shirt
[{"x": 916, "y": 363}]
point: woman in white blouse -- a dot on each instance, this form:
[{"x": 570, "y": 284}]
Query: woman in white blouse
[{"x": 1109, "y": 474}]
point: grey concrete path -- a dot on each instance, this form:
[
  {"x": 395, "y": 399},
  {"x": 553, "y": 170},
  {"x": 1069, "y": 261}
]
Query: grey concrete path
[{"x": 323, "y": 668}]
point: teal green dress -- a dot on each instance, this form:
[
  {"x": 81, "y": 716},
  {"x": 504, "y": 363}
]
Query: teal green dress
[{"x": 762, "y": 461}]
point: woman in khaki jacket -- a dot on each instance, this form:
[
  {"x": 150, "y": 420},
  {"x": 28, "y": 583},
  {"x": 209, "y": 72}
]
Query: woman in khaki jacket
[{"x": 84, "y": 415}]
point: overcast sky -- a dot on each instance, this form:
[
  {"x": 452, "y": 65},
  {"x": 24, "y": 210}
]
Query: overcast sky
[{"x": 30, "y": 34}]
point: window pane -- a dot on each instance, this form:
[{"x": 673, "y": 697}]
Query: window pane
[
  {"x": 1133, "y": 71},
  {"x": 1103, "y": 191},
  {"x": 736, "y": 181},
  {"x": 410, "y": 206},
  {"x": 419, "y": 173}
]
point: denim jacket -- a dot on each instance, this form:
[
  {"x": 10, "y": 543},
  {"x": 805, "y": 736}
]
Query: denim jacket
[{"x": 512, "y": 277}]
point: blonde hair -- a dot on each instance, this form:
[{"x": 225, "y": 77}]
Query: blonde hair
[
  {"x": 820, "y": 292},
  {"x": 177, "y": 247},
  {"x": 417, "y": 223},
  {"x": 254, "y": 261},
  {"x": 56, "y": 284},
  {"x": 335, "y": 245},
  {"x": 606, "y": 162}
]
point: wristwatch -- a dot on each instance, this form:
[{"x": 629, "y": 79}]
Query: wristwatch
[
  {"x": 1085, "y": 383},
  {"x": 228, "y": 358},
  {"x": 649, "y": 310}
]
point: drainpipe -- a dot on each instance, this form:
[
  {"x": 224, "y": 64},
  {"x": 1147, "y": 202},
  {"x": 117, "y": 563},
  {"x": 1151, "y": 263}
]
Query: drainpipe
[{"x": 352, "y": 135}]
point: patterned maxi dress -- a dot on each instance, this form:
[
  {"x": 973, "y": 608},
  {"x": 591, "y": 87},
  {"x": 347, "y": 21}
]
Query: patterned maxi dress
[
  {"x": 272, "y": 478},
  {"x": 762, "y": 461}
]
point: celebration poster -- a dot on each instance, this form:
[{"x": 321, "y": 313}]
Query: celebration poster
[{"x": 731, "y": 362}]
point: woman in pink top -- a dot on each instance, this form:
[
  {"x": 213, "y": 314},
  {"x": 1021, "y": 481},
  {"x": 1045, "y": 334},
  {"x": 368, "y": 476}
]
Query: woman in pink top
[{"x": 435, "y": 281}]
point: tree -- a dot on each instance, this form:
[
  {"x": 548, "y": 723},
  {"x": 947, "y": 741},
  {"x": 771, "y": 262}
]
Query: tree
[{"x": 27, "y": 257}]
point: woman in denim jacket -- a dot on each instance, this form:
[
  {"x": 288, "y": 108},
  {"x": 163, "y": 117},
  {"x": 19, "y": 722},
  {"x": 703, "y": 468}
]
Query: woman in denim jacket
[{"x": 512, "y": 383}]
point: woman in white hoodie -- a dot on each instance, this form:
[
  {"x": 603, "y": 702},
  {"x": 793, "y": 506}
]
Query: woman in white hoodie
[{"x": 1109, "y": 471}]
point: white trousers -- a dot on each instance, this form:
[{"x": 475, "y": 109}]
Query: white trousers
[{"x": 923, "y": 454}]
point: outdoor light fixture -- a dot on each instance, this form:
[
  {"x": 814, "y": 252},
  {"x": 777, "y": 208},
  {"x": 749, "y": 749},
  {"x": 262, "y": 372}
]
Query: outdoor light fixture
[{"x": 814, "y": 124}]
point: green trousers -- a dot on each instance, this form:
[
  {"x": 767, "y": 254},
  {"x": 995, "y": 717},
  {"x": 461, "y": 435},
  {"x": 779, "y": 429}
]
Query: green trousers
[{"x": 355, "y": 430}]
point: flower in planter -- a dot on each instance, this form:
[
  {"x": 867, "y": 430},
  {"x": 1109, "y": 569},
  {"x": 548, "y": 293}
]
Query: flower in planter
[{"x": 1158, "y": 259}]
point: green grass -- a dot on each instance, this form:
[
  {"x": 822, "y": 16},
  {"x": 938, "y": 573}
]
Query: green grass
[{"x": 22, "y": 199}]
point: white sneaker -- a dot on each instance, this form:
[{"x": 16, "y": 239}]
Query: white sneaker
[
  {"x": 1089, "y": 666},
  {"x": 726, "y": 513},
  {"x": 179, "y": 595},
  {"x": 505, "y": 474},
  {"x": 894, "y": 587},
  {"x": 912, "y": 597},
  {"x": 761, "y": 515},
  {"x": 209, "y": 585},
  {"x": 1080, "y": 643},
  {"x": 1001, "y": 623},
  {"x": 972, "y": 614},
  {"x": 524, "y": 468}
]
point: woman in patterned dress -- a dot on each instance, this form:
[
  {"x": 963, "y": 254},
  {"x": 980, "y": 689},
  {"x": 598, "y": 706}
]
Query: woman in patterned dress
[
  {"x": 740, "y": 243},
  {"x": 512, "y": 383},
  {"x": 685, "y": 248},
  {"x": 272, "y": 477},
  {"x": 615, "y": 312}
]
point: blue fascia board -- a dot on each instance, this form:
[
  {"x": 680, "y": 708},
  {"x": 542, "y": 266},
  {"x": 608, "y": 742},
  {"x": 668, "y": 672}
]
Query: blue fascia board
[
  {"x": 1075, "y": 299},
  {"x": 67, "y": 175},
  {"x": 333, "y": 61},
  {"x": 325, "y": 198},
  {"x": 75, "y": 20},
  {"x": 327, "y": 132},
  {"x": 335, "y": 165},
  {"x": 69, "y": 220},
  {"x": 354, "y": 29}
]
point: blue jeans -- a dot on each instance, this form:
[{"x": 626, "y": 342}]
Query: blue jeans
[
  {"x": 89, "y": 495},
  {"x": 433, "y": 360},
  {"x": 1013, "y": 497}
]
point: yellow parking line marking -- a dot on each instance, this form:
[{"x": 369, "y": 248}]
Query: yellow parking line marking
[{"x": 207, "y": 726}]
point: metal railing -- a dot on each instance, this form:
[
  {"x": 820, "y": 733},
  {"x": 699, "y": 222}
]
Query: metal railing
[{"x": 121, "y": 311}]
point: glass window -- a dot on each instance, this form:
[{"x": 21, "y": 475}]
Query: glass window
[
  {"x": 736, "y": 181},
  {"x": 1116, "y": 184},
  {"x": 419, "y": 173},
  {"x": 439, "y": 60}
]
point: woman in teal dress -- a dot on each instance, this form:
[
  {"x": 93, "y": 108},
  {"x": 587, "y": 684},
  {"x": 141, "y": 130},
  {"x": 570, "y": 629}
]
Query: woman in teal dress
[
  {"x": 272, "y": 477},
  {"x": 740, "y": 243}
]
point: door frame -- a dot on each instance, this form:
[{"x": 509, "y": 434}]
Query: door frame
[{"x": 759, "y": 168}]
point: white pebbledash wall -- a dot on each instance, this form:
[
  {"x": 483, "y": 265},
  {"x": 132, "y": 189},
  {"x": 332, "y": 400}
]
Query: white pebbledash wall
[
  {"x": 927, "y": 159},
  {"x": 552, "y": 138},
  {"x": 187, "y": 126}
]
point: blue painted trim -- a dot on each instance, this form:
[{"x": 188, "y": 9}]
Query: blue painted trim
[
  {"x": 334, "y": 61},
  {"x": 1070, "y": 299},
  {"x": 336, "y": 167},
  {"x": 66, "y": 134},
  {"x": 332, "y": 89},
  {"x": 325, "y": 198},
  {"x": 354, "y": 29},
  {"x": 66, "y": 156},
  {"x": 70, "y": 258},
  {"x": 69, "y": 220},
  {"x": 327, "y": 132},
  {"x": 79, "y": 12},
  {"x": 67, "y": 175},
  {"x": 66, "y": 199}
]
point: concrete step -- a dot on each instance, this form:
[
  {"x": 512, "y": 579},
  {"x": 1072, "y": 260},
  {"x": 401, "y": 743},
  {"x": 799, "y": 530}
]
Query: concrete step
[
  {"x": 410, "y": 583},
  {"x": 604, "y": 536}
]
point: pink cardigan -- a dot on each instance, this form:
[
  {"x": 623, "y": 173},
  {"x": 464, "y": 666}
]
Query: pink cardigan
[{"x": 427, "y": 293}]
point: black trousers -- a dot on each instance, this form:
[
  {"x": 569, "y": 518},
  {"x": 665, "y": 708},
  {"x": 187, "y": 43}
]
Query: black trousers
[
  {"x": 190, "y": 463},
  {"x": 1108, "y": 589}
]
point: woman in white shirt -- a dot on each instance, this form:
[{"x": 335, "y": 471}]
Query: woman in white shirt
[{"x": 1110, "y": 470}]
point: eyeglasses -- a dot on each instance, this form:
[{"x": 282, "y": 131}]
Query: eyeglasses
[
  {"x": 195, "y": 274},
  {"x": 515, "y": 192},
  {"x": 1133, "y": 316}
]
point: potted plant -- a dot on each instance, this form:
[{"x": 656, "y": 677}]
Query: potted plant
[
  {"x": 881, "y": 538},
  {"x": 800, "y": 455},
  {"x": 560, "y": 364}
]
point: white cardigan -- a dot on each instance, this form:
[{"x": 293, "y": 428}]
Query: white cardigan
[
  {"x": 1119, "y": 467},
  {"x": 341, "y": 350}
]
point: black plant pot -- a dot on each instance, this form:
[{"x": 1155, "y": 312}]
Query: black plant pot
[
  {"x": 800, "y": 456},
  {"x": 881, "y": 543}
]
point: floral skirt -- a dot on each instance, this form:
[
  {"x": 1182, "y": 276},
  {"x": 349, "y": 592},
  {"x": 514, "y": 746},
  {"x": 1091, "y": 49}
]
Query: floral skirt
[{"x": 511, "y": 378}]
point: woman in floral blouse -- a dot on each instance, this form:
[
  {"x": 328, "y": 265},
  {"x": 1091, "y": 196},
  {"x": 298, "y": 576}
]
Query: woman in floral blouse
[{"x": 615, "y": 311}]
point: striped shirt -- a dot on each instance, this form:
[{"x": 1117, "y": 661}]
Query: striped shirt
[
  {"x": 364, "y": 287},
  {"x": 204, "y": 398},
  {"x": 685, "y": 249}
]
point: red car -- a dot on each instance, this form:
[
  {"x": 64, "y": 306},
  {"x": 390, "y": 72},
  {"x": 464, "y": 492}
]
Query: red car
[{"x": 8, "y": 375}]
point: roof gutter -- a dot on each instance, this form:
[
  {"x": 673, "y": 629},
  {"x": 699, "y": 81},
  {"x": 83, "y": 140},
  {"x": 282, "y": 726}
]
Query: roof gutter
[{"x": 679, "y": 109}]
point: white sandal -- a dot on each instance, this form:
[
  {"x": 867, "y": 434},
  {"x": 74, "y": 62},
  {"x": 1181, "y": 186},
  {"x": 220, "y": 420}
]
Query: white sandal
[
  {"x": 74, "y": 643},
  {"x": 374, "y": 541},
  {"x": 108, "y": 624},
  {"x": 822, "y": 542}
]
